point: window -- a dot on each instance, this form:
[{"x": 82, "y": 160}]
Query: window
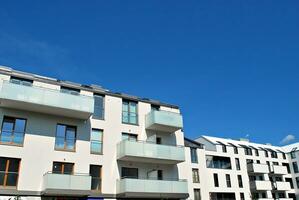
[
  {"x": 224, "y": 148},
  {"x": 98, "y": 107},
  {"x": 95, "y": 173},
  {"x": 62, "y": 168},
  {"x": 240, "y": 181},
  {"x": 236, "y": 150},
  {"x": 228, "y": 182},
  {"x": 295, "y": 167},
  {"x": 216, "y": 182},
  {"x": 195, "y": 175},
  {"x": 68, "y": 90},
  {"x": 128, "y": 136},
  {"x": 242, "y": 197},
  {"x": 266, "y": 153},
  {"x": 129, "y": 172},
  {"x": 9, "y": 172},
  {"x": 155, "y": 107},
  {"x": 197, "y": 195},
  {"x": 284, "y": 156},
  {"x": 160, "y": 174},
  {"x": 290, "y": 181},
  {"x": 248, "y": 151},
  {"x": 96, "y": 141},
  {"x": 275, "y": 163},
  {"x": 65, "y": 137},
  {"x": 193, "y": 155},
  {"x": 12, "y": 131},
  {"x": 273, "y": 154},
  {"x": 287, "y": 166},
  {"x": 297, "y": 182},
  {"x": 258, "y": 161},
  {"x": 238, "y": 164},
  {"x": 129, "y": 112},
  {"x": 158, "y": 140},
  {"x": 218, "y": 162},
  {"x": 257, "y": 152},
  {"x": 21, "y": 81},
  {"x": 293, "y": 154}
]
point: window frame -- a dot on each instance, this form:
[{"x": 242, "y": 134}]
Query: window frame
[
  {"x": 128, "y": 112},
  {"x": 195, "y": 175},
  {"x": 192, "y": 150},
  {"x": 99, "y": 188},
  {"x": 64, "y": 147},
  {"x": 103, "y": 107},
  {"x": 99, "y": 142},
  {"x": 13, "y": 131},
  {"x": 6, "y": 172},
  {"x": 228, "y": 181},
  {"x": 63, "y": 166}
]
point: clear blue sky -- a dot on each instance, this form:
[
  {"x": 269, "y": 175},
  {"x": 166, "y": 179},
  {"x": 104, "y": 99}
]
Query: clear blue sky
[{"x": 232, "y": 66}]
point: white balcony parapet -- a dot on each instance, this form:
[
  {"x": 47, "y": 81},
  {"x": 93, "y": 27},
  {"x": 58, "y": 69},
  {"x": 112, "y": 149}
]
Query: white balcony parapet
[
  {"x": 140, "y": 151},
  {"x": 163, "y": 121},
  {"x": 257, "y": 168},
  {"x": 282, "y": 186},
  {"x": 45, "y": 100},
  {"x": 279, "y": 169},
  {"x": 261, "y": 185}
]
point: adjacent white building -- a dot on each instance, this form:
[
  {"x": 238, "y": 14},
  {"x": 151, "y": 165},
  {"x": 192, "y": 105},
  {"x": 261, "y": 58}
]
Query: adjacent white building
[{"x": 66, "y": 141}]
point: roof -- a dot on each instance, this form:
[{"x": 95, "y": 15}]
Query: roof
[
  {"x": 247, "y": 144},
  {"x": 93, "y": 88}
]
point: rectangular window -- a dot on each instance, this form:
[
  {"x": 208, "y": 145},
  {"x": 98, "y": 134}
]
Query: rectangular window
[
  {"x": 224, "y": 148},
  {"x": 275, "y": 163},
  {"x": 248, "y": 151},
  {"x": 218, "y": 162},
  {"x": 273, "y": 154},
  {"x": 257, "y": 152},
  {"x": 99, "y": 108},
  {"x": 240, "y": 181},
  {"x": 242, "y": 197},
  {"x": 95, "y": 172},
  {"x": 9, "y": 172},
  {"x": 129, "y": 112},
  {"x": 266, "y": 153},
  {"x": 193, "y": 155},
  {"x": 290, "y": 181},
  {"x": 197, "y": 195},
  {"x": 293, "y": 154},
  {"x": 155, "y": 107},
  {"x": 297, "y": 182},
  {"x": 21, "y": 81},
  {"x": 129, "y": 136},
  {"x": 284, "y": 156},
  {"x": 195, "y": 175},
  {"x": 65, "y": 137},
  {"x": 238, "y": 167},
  {"x": 68, "y": 90},
  {"x": 129, "y": 172},
  {"x": 236, "y": 150},
  {"x": 12, "y": 131},
  {"x": 160, "y": 174},
  {"x": 228, "y": 182},
  {"x": 96, "y": 141},
  {"x": 63, "y": 168},
  {"x": 295, "y": 167},
  {"x": 216, "y": 182}
]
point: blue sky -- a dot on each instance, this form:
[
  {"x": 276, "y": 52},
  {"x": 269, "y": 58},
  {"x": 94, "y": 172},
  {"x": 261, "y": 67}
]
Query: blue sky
[{"x": 232, "y": 66}]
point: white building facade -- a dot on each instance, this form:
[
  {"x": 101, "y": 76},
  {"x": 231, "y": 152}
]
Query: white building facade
[{"x": 66, "y": 141}]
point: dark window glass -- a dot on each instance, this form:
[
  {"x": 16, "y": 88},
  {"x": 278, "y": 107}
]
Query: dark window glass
[
  {"x": 238, "y": 164},
  {"x": 218, "y": 162},
  {"x": 155, "y": 107},
  {"x": 65, "y": 137},
  {"x": 95, "y": 173},
  {"x": 266, "y": 153},
  {"x": 21, "y": 81},
  {"x": 129, "y": 112},
  {"x": 193, "y": 155},
  {"x": 98, "y": 107},
  {"x": 290, "y": 181},
  {"x": 129, "y": 172},
  {"x": 228, "y": 182},
  {"x": 293, "y": 154},
  {"x": 62, "y": 168},
  {"x": 13, "y": 131},
  {"x": 242, "y": 197},
  {"x": 295, "y": 167},
  {"x": 297, "y": 182},
  {"x": 68, "y": 90},
  {"x": 216, "y": 182},
  {"x": 129, "y": 136},
  {"x": 9, "y": 171},
  {"x": 240, "y": 181},
  {"x": 160, "y": 174},
  {"x": 257, "y": 152},
  {"x": 197, "y": 195},
  {"x": 195, "y": 175},
  {"x": 236, "y": 150}
]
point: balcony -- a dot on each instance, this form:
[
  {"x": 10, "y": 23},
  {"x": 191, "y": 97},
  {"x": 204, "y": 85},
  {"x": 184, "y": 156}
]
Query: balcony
[
  {"x": 256, "y": 168},
  {"x": 143, "y": 188},
  {"x": 279, "y": 170},
  {"x": 163, "y": 121},
  {"x": 66, "y": 184},
  {"x": 260, "y": 185},
  {"x": 282, "y": 186},
  {"x": 138, "y": 151},
  {"x": 44, "y": 100}
]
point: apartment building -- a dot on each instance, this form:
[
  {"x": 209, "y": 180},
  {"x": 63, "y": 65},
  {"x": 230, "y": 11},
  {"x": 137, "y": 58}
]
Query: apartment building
[
  {"x": 62, "y": 140},
  {"x": 223, "y": 169}
]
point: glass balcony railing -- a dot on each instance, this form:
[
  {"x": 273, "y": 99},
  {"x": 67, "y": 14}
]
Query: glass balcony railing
[
  {"x": 161, "y": 188},
  {"x": 80, "y": 182},
  {"x": 45, "y": 100},
  {"x": 150, "y": 152},
  {"x": 163, "y": 121}
]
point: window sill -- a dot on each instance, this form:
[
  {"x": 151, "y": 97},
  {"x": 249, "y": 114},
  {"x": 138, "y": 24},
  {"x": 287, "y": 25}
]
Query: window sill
[
  {"x": 96, "y": 153},
  {"x": 127, "y": 123},
  {"x": 65, "y": 150},
  {"x": 11, "y": 144}
]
